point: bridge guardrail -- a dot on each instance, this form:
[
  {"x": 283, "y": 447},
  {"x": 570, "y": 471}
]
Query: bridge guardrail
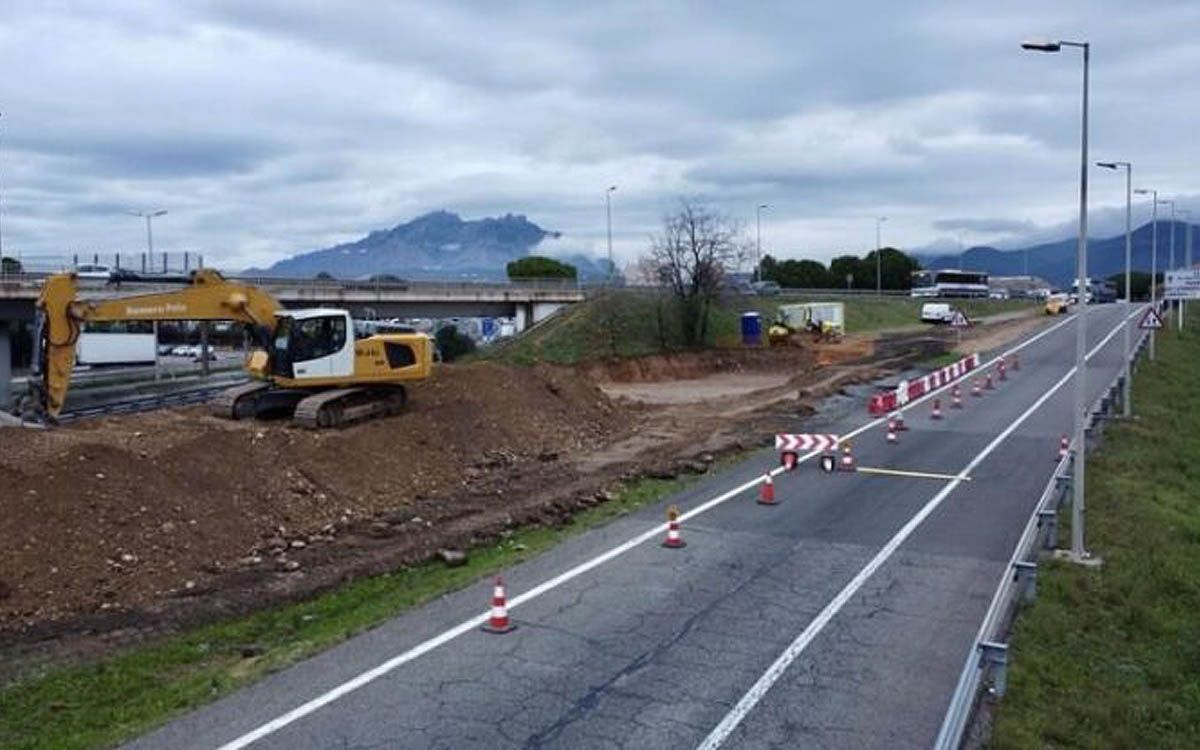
[{"x": 987, "y": 661}]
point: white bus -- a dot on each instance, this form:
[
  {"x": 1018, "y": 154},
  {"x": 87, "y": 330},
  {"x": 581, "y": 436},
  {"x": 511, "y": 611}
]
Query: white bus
[{"x": 949, "y": 283}]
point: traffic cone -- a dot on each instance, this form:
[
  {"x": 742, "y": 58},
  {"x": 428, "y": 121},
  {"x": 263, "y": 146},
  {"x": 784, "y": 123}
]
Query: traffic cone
[
  {"x": 766, "y": 495},
  {"x": 987, "y": 383},
  {"x": 1016, "y": 363},
  {"x": 498, "y": 621},
  {"x": 674, "y": 540},
  {"x": 1002, "y": 370},
  {"x": 956, "y": 398},
  {"x": 1064, "y": 447},
  {"x": 891, "y": 432},
  {"x": 937, "y": 409},
  {"x": 847, "y": 461},
  {"x": 977, "y": 389},
  {"x": 899, "y": 418}
]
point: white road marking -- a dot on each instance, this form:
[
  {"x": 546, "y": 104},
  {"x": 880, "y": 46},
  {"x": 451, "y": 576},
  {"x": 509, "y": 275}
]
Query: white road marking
[
  {"x": 441, "y": 639},
  {"x": 768, "y": 679}
]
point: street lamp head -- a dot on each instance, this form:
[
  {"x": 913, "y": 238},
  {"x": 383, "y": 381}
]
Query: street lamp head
[
  {"x": 1107, "y": 164},
  {"x": 762, "y": 206},
  {"x": 611, "y": 188},
  {"x": 1041, "y": 45},
  {"x": 159, "y": 212},
  {"x": 1144, "y": 191}
]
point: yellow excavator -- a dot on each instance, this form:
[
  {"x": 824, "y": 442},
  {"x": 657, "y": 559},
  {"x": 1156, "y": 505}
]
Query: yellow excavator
[{"x": 306, "y": 363}]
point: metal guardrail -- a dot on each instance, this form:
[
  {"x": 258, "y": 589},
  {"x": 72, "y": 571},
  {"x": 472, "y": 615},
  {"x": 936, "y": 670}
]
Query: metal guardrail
[{"x": 987, "y": 663}]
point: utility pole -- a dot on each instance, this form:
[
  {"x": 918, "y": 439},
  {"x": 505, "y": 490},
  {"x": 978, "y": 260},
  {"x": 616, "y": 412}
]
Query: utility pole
[
  {"x": 757, "y": 275},
  {"x": 1188, "y": 247},
  {"x": 608, "y": 213},
  {"x": 879, "y": 257}
]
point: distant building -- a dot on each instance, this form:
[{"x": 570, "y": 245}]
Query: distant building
[{"x": 1020, "y": 286}]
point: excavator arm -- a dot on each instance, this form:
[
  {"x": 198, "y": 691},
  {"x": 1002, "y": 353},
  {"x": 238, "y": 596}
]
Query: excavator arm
[{"x": 61, "y": 317}]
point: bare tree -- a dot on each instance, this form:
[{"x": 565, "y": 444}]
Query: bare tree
[{"x": 690, "y": 257}]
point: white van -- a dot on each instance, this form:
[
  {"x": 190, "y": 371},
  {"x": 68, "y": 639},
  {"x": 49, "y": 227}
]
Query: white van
[{"x": 936, "y": 312}]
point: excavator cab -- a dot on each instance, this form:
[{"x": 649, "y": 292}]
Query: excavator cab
[{"x": 311, "y": 344}]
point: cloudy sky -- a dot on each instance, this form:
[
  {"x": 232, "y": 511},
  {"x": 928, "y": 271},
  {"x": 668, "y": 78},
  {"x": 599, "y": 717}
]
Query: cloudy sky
[{"x": 273, "y": 127}]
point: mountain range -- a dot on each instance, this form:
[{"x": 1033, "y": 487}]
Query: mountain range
[
  {"x": 1055, "y": 261},
  {"x": 439, "y": 245}
]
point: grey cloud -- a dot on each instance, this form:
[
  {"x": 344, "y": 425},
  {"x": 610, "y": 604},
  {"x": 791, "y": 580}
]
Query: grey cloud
[{"x": 988, "y": 226}]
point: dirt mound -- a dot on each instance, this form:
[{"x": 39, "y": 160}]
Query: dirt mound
[
  {"x": 689, "y": 365},
  {"x": 114, "y": 513}
]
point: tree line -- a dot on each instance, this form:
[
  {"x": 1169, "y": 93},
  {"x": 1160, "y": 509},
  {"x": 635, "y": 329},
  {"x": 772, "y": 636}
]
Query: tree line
[{"x": 843, "y": 272}]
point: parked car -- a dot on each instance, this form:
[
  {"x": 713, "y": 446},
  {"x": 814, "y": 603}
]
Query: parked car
[
  {"x": 937, "y": 312},
  {"x": 93, "y": 271},
  {"x": 767, "y": 288},
  {"x": 117, "y": 275}
]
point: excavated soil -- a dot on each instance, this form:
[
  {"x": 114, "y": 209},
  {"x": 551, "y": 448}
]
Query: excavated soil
[{"x": 126, "y": 526}]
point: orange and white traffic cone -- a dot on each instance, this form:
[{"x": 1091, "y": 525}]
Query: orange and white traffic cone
[
  {"x": 847, "y": 460},
  {"x": 977, "y": 389},
  {"x": 1002, "y": 371},
  {"x": 1064, "y": 448},
  {"x": 498, "y": 621},
  {"x": 987, "y": 383},
  {"x": 766, "y": 495},
  {"x": 937, "y": 409},
  {"x": 956, "y": 398},
  {"x": 891, "y": 432},
  {"x": 674, "y": 539}
]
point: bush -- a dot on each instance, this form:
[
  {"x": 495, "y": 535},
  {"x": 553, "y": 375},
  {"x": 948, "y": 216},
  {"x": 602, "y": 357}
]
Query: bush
[
  {"x": 540, "y": 267},
  {"x": 453, "y": 344}
]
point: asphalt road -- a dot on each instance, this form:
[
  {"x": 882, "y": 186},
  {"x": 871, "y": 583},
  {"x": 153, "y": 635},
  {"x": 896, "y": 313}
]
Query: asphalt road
[{"x": 658, "y": 648}]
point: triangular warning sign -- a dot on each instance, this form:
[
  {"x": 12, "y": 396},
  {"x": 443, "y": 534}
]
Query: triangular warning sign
[
  {"x": 959, "y": 320},
  {"x": 1151, "y": 320}
]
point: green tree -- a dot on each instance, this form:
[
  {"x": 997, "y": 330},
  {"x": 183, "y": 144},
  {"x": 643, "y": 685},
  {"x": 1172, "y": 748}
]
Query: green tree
[
  {"x": 1139, "y": 281},
  {"x": 850, "y": 266},
  {"x": 897, "y": 268},
  {"x": 796, "y": 274},
  {"x": 10, "y": 265},
  {"x": 540, "y": 267},
  {"x": 453, "y": 344}
]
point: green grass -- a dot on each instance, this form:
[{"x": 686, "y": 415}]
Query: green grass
[
  {"x": 100, "y": 703},
  {"x": 1111, "y": 658},
  {"x": 639, "y": 323}
]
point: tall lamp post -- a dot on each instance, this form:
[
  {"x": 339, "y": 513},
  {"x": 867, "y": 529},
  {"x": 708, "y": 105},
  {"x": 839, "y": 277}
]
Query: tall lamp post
[
  {"x": 1153, "y": 256},
  {"x": 879, "y": 257},
  {"x": 758, "y": 240},
  {"x": 1078, "y": 553},
  {"x": 148, "y": 216},
  {"x": 608, "y": 216},
  {"x": 1179, "y": 304},
  {"x": 1171, "y": 255},
  {"x": 1128, "y": 253}
]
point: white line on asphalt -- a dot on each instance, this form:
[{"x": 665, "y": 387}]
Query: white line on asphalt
[
  {"x": 425, "y": 647},
  {"x": 768, "y": 679}
]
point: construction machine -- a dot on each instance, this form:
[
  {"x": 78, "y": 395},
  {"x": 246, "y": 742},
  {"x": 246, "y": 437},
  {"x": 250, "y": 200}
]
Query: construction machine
[
  {"x": 306, "y": 363},
  {"x": 823, "y": 321}
]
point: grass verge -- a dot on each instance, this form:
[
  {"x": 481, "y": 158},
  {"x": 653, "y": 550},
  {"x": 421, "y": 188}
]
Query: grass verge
[
  {"x": 635, "y": 323},
  {"x": 102, "y": 702},
  {"x": 1111, "y": 658}
]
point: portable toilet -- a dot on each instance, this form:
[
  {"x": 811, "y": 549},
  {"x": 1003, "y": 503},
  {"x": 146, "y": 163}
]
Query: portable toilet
[{"x": 751, "y": 329}]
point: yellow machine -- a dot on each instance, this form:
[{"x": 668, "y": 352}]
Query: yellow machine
[
  {"x": 306, "y": 363},
  {"x": 1057, "y": 304}
]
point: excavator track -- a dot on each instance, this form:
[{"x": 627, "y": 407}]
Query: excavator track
[
  {"x": 342, "y": 406},
  {"x": 238, "y": 402}
]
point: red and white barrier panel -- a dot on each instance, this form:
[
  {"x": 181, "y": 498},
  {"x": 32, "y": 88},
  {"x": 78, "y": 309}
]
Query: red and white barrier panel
[
  {"x": 885, "y": 402},
  {"x": 805, "y": 442}
]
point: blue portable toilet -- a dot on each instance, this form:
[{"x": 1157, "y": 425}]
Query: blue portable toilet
[{"x": 751, "y": 329}]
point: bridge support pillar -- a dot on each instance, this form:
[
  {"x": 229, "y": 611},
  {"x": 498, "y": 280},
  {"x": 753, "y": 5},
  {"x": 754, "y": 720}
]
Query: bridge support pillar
[{"x": 5, "y": 365}]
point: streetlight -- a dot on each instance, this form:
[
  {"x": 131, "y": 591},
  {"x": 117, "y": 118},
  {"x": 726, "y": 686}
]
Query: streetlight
[
  {"x": 608, "y": 213},
  {"x": 1179, "y": 304},
  {"x": 1128, "y": 253},
  {"x": 758, "y": 240},
  {"x": 1153, "y": 257},
  {"x": 148, "y": 215},
  {"x": 1078, "y": 554},
  {"x": 879, "y": 257}
]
